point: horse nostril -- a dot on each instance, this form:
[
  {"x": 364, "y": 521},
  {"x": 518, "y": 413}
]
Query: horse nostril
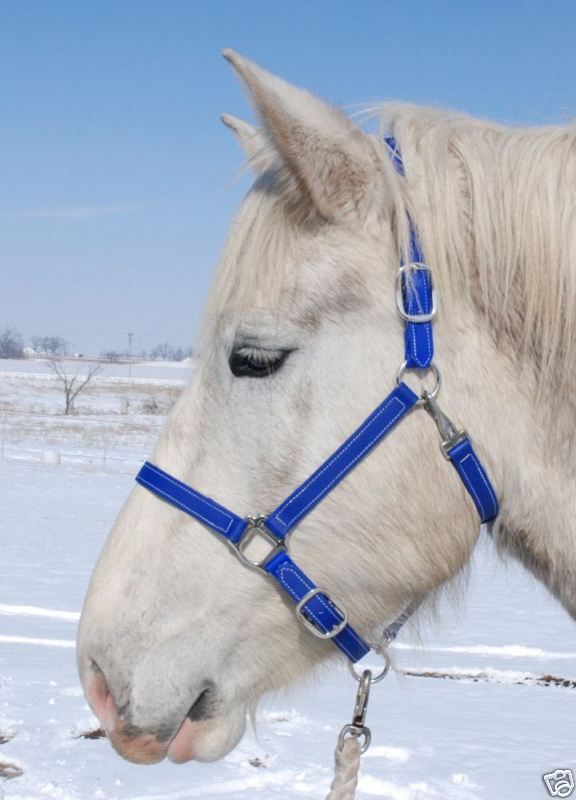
[
  {"x": 202, "y": 707},
  {"x": 99, "y": 696}
]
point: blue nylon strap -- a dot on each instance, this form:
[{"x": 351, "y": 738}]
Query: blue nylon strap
[
  {"x": 395, "y": 156},
  {"x": 474, "y": 478},
  {"x": 392, "y": 409},
  {"x": 418, "y": 338},
  {"x": 416, "y": 290},
  {"x": 197, "y": 505},
  {"x": 319, "y": 610}
]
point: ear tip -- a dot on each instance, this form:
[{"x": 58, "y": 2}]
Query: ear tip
[
  {"x": 243, "y": 66},
  {"x": 236, "y": 125},
  {"x": 230, "y": 55}
]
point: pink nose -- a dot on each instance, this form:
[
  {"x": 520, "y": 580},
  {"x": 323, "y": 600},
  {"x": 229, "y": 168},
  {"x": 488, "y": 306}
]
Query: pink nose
[
  {"x": 142, "y": 748},
  {"x": 99, "y": 697}
]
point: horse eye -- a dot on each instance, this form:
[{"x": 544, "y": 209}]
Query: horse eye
[{"x": 256, "y": 362}]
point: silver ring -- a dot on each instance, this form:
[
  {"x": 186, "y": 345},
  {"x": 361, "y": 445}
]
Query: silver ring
[
  {"x": 354, "y": 732},
  {"x": 375, "y": 677},
  {"x": 403, "y": 368}
]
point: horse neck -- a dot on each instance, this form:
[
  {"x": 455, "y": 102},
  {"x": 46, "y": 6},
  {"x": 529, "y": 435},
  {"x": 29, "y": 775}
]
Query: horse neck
[
  {"x": 521, "y": 288},
  {"x": 496, "y": 217}
]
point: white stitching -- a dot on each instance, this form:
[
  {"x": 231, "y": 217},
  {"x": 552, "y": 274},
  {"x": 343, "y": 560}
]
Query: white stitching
[
  {"x": 356, "y": 637},
  {"x": 181, "y": 505},
  {"x": 292, "y": 593},
  {"x": 412, "y": 328},
  {"x": 469, "y": 484},
  {"x": 415, "y": 352},
  {"x": 326, "y": 466},
  {"x": 195, "y": 495}
]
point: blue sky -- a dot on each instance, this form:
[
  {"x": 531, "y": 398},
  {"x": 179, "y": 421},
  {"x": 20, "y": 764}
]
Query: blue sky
[{"x": 116, "y": 176}]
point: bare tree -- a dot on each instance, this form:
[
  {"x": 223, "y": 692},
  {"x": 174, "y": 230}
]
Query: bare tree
[
  {"x": 168, "y": 352},
  {"x": 11, "y": 344},
  {"x": 111, "y": 355},
  {"x": 72, "y": 383},
  {"x": 50, "y": 345}
]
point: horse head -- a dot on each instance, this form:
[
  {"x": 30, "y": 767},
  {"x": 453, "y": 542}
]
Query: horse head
[{"x": 300, "y": 342}]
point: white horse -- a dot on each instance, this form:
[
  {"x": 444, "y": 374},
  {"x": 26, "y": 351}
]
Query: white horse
[{"x": 301, "y": 341}]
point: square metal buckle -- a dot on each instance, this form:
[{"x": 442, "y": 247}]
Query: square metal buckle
[
  {"x": 400, "y": 296},
  {"x": 257, "y": 529},
  {"x": 310, "y": 625}
]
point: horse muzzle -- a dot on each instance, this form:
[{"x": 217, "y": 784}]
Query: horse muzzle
[{"x": 199, "y": 736}]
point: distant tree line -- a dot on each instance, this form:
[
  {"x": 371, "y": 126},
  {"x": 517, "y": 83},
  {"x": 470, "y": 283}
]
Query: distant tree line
[
  {"x": 12, "y": 345},
  {"x": 161, "y": 352}
]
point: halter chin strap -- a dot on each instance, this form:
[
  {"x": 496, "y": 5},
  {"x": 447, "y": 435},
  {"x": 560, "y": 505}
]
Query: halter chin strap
[{"x": 321, "y": 614}]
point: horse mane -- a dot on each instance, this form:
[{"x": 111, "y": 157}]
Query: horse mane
[{"x": 495, "y": 210}]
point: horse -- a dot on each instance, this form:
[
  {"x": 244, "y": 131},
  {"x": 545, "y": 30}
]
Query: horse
[{"x": 300, "y": 341}]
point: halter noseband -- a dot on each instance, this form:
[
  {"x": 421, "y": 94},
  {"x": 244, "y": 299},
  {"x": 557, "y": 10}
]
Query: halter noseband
[{"x": 315, "y": 609}]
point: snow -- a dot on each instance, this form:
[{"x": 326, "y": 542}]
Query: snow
[
  {"x": 34, "y": 611},
  {"x": 490, "y": 733}
]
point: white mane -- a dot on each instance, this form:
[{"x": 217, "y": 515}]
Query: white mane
[{"x": 495, "y": 208}]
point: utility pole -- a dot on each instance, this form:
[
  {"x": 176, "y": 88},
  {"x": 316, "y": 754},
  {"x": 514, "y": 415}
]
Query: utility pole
[{"x": 130, "y": 338}]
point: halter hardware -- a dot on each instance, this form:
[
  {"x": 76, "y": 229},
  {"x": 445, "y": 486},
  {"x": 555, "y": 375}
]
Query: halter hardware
[
  {"x": 451, "y": 436},
  {"x": 309, "y": 625},
  {"x": 322, "y": 616},
  {"x": 380, "y": 650},
  {"x": 403, "y": 368},
  {"x": 256, "y": 529},
  {"x": 358, "y": 728},
  {"x": 403, "y": 288}
]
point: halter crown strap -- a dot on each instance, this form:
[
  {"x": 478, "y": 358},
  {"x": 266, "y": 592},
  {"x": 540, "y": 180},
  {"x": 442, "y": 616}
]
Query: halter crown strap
[{"x": 414, "y": 291}]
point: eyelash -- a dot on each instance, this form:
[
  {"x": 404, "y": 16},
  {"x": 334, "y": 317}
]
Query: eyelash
[{"x": 256, "y": 362}]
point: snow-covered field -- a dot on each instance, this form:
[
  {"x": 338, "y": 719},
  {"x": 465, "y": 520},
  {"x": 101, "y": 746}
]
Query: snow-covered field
[{"x": 486, "y": 739}]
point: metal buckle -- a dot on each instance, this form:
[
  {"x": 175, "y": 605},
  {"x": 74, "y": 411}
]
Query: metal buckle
[
  {"x": 428, "y": 317},
  {"x": 256, "y": 528},
  {"x": 310, "y": 625}
]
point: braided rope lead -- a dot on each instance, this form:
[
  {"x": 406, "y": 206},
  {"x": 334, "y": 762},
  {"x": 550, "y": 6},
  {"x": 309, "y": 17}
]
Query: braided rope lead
[{"x": 346, "y": 768}]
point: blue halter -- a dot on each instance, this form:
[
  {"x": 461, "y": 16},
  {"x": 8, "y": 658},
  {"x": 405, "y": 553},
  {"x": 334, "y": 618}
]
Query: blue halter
[{"x": 315, "y": 609}]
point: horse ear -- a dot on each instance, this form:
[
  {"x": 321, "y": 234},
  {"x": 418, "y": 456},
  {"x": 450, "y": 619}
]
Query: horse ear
[
  {"x": 254, "y": 144},
  {"x": 335, "y": 163}
]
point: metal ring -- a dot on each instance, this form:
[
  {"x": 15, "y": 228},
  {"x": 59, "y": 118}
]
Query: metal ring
[
  {"x": 375, "y": 677},
  {"x": 403, "y": 368},
  {"x": 355, "y": 732}
]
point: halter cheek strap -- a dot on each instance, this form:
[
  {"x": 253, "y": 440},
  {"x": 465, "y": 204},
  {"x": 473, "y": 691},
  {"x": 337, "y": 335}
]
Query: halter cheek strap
[{"x": 315, "y": 609}]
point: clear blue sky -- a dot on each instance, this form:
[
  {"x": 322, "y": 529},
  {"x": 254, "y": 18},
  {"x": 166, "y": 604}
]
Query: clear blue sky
[{"x": 116, "y": 175}]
